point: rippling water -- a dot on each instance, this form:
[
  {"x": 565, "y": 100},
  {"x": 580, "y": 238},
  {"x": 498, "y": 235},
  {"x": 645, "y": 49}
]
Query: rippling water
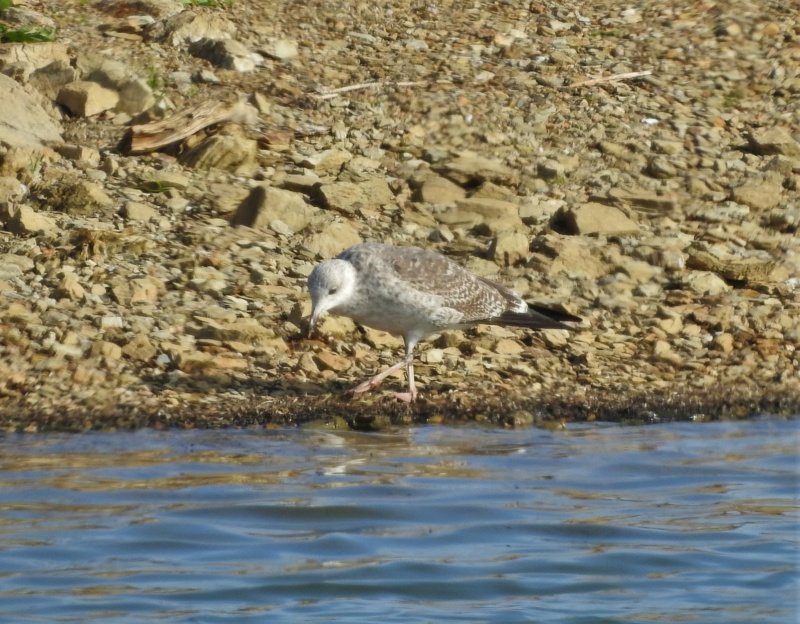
[{"x": 594, "y": 524}]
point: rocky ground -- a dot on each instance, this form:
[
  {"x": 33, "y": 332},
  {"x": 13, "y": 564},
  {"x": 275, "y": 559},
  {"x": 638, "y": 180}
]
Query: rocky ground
[{"x": 638, "y": 164}]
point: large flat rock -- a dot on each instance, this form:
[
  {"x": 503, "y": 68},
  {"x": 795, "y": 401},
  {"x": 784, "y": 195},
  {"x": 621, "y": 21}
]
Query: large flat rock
[{"x": 26, "y": 123}]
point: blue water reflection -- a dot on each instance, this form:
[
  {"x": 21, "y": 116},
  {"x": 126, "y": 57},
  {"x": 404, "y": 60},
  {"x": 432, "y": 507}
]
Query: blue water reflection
[{"x": 594, "y": 524}]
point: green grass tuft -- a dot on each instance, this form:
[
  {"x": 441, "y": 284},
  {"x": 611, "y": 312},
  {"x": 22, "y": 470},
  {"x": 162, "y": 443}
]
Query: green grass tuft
[{"x": 26, "y": 34}]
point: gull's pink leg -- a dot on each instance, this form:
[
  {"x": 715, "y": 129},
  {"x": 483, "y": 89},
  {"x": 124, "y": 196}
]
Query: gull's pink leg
[
  {"x": 408, "y": 362},
  {"x": 411, "y": 395},
  {"x": 374, "y": 382}
]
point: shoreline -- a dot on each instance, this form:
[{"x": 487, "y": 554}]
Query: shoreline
[{"x": 381, "y": 413}]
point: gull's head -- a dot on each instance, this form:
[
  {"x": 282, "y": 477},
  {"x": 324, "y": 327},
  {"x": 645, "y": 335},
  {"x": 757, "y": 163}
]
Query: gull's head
[{"x": 331, "y": 284}]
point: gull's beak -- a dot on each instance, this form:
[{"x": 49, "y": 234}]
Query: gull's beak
[{"x": 312, "y": 322}]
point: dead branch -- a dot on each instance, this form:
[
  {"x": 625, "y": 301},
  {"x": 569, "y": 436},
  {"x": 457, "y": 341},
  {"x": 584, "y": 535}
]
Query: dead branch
[
  {"x": 327, "y": 94},
  {"x": 153, "y": 136},
  {"x": 613, "y": 78}
]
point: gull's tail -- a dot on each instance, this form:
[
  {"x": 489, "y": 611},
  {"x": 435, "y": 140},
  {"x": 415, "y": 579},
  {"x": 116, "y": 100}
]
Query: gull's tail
[{"x": 537, "y": 317}]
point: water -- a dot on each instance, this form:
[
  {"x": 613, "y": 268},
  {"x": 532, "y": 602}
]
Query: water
[{"x": 596, "y": 524}]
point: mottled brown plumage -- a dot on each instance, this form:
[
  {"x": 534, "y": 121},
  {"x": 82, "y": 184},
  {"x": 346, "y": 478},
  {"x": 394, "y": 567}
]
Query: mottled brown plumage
[{"x": 413, "y": 293}]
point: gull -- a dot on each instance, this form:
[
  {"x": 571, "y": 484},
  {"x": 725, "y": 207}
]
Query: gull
[{"x": 413, "y": 293}]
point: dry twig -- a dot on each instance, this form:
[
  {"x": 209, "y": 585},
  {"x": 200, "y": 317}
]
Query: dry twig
[
  {"x": 614, "y": 78},
  {"x": 327, "y": 94}
]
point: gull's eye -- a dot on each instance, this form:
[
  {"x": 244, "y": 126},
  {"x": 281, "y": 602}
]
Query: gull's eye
[{"x": 333, "y": 291}]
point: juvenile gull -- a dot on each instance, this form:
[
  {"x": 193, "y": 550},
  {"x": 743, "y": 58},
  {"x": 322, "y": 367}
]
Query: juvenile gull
[{"x": 411, "y": 292}]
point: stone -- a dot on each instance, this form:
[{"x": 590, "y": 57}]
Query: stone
[
  {"x": 187, "y": 27},
  {"x": 497, "y": 214},
  {"x": 49, "y": 79},
  {"x": 331, "y": 361},
  {"x": 594, "y": 218},
  {"x": 80, "y": 154},
  {"x": 192, "y": 362},
  {"x": 226, "y": 54},
  {"x": 332, "y": 240},
  {"x": 27, "y": 123},
  {"x": 706, "y": 283},
  {"x": 551, "y": 169},
  {"x": 377, "y": 192},
  {"x": 227, "y": 362},
  {"x": 781, "y": 164},
  {"x": 70, "y": 352},
  {"x": 670, "y": 148},
  {"x": 727, "y": 213},
  {"x": 568, "y": 255},
  {"x": 638, "y": 270},
  {"x": 160, "y": 181},
  {"x": 9, "y": 271},
  {"x": 228, "y": 151},
  {"x": 265, "y": 204},
  {"x": 23, "y": 263},
  {"x": 439, "y": 191},
  {"x": 281, "y": 49},
  {"x": 510, "y": 248},
  {"x": 662, "y": 352},
  {"x": 247, "y": 330},
  {"x": 32, "y": 56},
  {"x": 69, "y": 288},
  {"x": 136, "y": 211},
  {"x": 140, "y": 349},
  {"x": 85, "y": 99},
  {"x": 554, "y": 338},
  {"x": 775, "y": 140},
  {"x": 763, "y": 195},
  {"x": 327, "y": 161},
  {"x": 17, "y": 312},
  {"x": 642, "y": 198},
  {"x": 11, "y": 188},
  {"x": 784, "y": 219},
  {"x": 507, "y": 346},
  {"x": 106, "y": 349},
  {"x": 536, "y": 209},
  {"x": 490, "y": 190},
  {"x": 347, "y": 197},
  {"x": 307, "y": 364},
  {"x": 723, "y": 342},
  {"x": 204, "y": 76},
  {"x": 616, "y": 150},
  {"x": 126, "y": 8},
  {"x": 305, "y": 183},
  {"x": 671, "y": 326},
  {"x": 209, "y": 281},
  {"x": 23, "y": 16},
  {"x": 135, "y": 95},
  {"x": 146, "y": 290},
  {"x": 25, "y": 221},
  {"x": 432, "y": 356},
  {"x": 336, "y": 326},
  {"x": 660, "y": 168},
  {"x": 470, "y": 170},
  {"x": 378, "y": 339},
  {"x": 111, "y": 322}
]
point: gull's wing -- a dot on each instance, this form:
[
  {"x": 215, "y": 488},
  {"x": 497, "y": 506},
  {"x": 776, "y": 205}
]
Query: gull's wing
[
  {"x": 415, "y": 274},
  {"x": 454, "y": 295}
]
